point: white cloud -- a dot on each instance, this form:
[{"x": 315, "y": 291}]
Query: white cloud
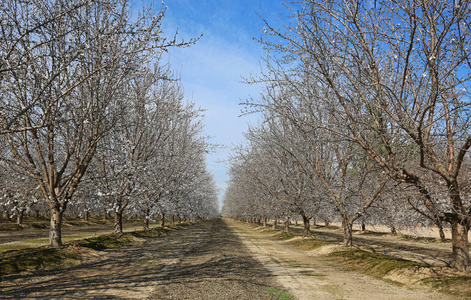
[
  {"x": 211, "y": 73},
  {"x": 211, "y": 76}
]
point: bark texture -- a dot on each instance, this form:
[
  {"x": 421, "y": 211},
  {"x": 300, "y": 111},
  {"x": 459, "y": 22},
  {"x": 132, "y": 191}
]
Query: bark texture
[
  {"x": 460, "y": 255},
  {"x": 55, "y": 236}
]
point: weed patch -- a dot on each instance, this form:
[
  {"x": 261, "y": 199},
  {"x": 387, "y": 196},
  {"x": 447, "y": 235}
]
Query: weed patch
[
  {"x": 404, "y": 272},
  {"x": 108, "y": 241},
  {"x": 10, "y": 227},
  {"x": 285, "y": 236},
  {"x": 423, "y": 239},
  {"x": 453, "y": 285},
  {"x": 374, "y": 264},
  {"x": 32, "y": 259},
  {"x": 308, "y": 244},
  {"x": 39, "y": 225},
  {"x": 44, "y": 258},
  {"x": 372, "y": 233},
  {"x": 279, "y": 294}
]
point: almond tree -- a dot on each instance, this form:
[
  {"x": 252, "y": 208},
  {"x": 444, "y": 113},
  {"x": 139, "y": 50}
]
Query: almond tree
[
  {"x": 274, "y": 180},
  {"x": 398, "y": 76},
  {"x": 149, "y": 116},
  {"x": 76, "y": 82},
  {"x": 336, "y": 168},
  {"x": 19, "y": 193},
  {"x": 290, "y": 184},
  {"x": 27, "y": 29}
]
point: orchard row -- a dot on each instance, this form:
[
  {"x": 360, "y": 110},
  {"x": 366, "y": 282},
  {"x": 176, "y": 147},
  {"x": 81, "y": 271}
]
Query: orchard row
[
  {"x": 365, "y": 117},
  {"x": 92, "y": 118}
]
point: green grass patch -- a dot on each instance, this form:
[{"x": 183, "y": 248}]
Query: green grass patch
[
  {"x": 279, "y": 294},
  {"x": 285, "y": 235},
  {"x": 373, "y": 233},
  {"x": 308, "y": 244},
  {"x": 373, "y": 264},
  {"x": 423, "y": 239},
  {"x": 40, "y": 225},
  {"x": 330, "y": 227},
  {"x": 154, "y": 232},
  {"x": 10, "y": 227},
  {"x": 453, "y": 285},
  {"x": 31, "y": 259},
  {"x": 25, "y": 225},
  {"x": 78, "y": 223},
  {"x": 44, "y": 258},
  {"x": 107, "y": 241}
]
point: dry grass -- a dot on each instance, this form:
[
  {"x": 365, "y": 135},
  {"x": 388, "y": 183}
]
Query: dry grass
[{"x": 22, "y": 257}]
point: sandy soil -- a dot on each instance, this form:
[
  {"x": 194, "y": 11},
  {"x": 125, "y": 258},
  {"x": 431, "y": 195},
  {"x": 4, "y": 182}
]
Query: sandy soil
[
  {"x": 217, "y": 259},
  {"x": 310, "y": 276},
  {"x": 205, "y": 261}
]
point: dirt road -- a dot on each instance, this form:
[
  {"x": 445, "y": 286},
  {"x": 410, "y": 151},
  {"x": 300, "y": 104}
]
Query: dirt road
[
  {"x": 315, "y": 276},
  {"x": 205, "y": 261},
  {"x": 217, "y": 259}
]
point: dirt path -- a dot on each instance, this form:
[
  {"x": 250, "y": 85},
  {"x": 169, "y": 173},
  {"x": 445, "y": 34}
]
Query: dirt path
[
  {"x": 317, "y": 277},
  {"x": 205, "y": 261},
  {"x": 216, "y": 259}
]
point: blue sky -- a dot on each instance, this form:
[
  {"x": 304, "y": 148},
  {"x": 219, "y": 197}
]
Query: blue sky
[{"x": 211, "y": 70}]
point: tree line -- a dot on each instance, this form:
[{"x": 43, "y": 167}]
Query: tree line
[
  {"x": 365, "y": 117},
  {"x": 92, "y": 117}
]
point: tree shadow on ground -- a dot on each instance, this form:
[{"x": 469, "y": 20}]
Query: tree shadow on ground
[{"x": 206, "y": 261}]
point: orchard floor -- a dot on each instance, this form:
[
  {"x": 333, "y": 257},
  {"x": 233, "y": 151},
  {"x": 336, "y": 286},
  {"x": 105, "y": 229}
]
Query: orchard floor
[{"x": 215, "y": 259}]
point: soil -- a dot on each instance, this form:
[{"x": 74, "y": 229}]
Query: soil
[
  {"x": 69, "y": 230},
  {"x": 215, "y": 259},
  {"x": 315, "y": 276},
  {"x": 204, "y": 261},
  {"x": 434, "y": 254}
]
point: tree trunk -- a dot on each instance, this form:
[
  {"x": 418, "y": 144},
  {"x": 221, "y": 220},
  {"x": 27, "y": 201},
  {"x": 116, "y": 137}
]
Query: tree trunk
[
  {"x": 145, "y": 223},
  {"x": 393, "y": 229},
  {"x": 459, "y": 241},
  {"x": 55, "y": 233},
  {"x": 173, "y": 219},
  {"x": 86, "y": 215},
  {"x": 105, "y": 214},
  {"x": 179, "y": 220},
  {"x": 287, "y": 225},
  {"x": 19, "y": 216},
  {"x": 441, "y": 233},
  {"x": 162, "y": 220},
  {"x": 118, "y": 221},
  {"x": 274, "y": 223},
  {"x": 347, "y": 233},
  {"x": 363, "y": 227},
  {"x": 264, "y": 221},
  {"x": 440, "y": 230},
  {"x": 307, "y": 227}
]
